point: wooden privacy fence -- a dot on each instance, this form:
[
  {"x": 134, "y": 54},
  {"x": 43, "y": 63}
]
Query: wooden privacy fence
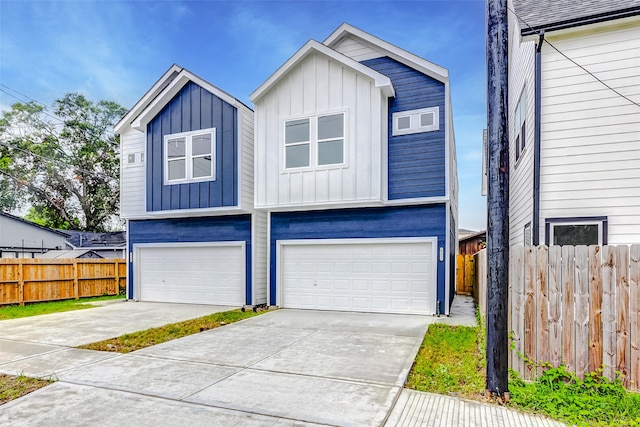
[
  {"x": 577, "y": 306},
  {"x": 465, "y": 274},
  {"x": 32, "y": 280}
]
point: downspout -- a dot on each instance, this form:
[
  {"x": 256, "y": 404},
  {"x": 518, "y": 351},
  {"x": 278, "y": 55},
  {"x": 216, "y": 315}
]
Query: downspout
[{"x": 536, "y": 143}]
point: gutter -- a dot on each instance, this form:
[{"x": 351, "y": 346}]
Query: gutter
[
  {"x": 536, "y": 144},
  {"x": 586, "y": 20}
]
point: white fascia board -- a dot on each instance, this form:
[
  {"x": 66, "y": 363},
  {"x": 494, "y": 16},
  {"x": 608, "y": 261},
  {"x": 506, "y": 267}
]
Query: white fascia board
[
  {"x": 414, "y": 61},
  {"x": 151, "y": 94},
  {"x": 381, "y": 81},
  {"x": 188, "y": 213},
  {"x": 172, "y": 90}
]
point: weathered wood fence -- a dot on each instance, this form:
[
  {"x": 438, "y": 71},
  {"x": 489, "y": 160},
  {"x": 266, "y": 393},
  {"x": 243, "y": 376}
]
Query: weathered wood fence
[
  {"x": 24, "y": 280},
  {"x": 577, "y": 306}
]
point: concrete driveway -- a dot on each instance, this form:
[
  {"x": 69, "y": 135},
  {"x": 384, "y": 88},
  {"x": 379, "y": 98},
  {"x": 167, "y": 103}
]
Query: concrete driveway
[{"x": 287, "y": 367}]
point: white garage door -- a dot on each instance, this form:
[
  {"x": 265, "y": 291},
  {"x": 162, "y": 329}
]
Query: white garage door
[
  {"x": 370, "y": 275},
  {"x": 194, "y": 274}
]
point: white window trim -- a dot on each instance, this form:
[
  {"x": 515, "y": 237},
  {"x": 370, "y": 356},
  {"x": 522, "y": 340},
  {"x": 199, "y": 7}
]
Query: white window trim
[
  {"x": 189, "y": 157},
  {"x": 313, "y": 142},
  {"x": 138, "y": 159},
  {"x": 414, "y": 116},
  {"x": 552, "y": 226}
]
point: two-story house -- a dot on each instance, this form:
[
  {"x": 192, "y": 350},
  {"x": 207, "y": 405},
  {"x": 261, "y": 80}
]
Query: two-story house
[
  {"x": 574, "y": 113},
  {"x": 345, "y": 198},
  {"x": 193, "y": 235},
  {"x": 355, "y": 165}
]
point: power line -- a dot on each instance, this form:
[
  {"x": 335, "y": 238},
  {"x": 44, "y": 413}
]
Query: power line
[
  {"x": 544, "y": 40},
  {"x": 37, "y": 102}
]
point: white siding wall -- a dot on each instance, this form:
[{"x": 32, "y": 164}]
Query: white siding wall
[
  {"x": 356, "y": 50},
  {"x": 521, "y": 76},
  {"x": 260, "y": 243},
  {"x": 132, "y": 178},
  {"x": 246, "y": 147},
  {"x": 590, "y": 158},
  {"x": 319, "y": 85}
]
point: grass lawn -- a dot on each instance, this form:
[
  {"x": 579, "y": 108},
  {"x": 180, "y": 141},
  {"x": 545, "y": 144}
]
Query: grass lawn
[
  {"x": 15, "y": 311},
  {"x": 452, "y": 360},
  {"x": 12, "y": 387},
  {"x": 141, "y": 339}
]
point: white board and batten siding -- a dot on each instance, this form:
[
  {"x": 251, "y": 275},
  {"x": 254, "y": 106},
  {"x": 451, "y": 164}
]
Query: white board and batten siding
[
  {"x": 367, "y": 275},
  {"x": 320, "y": 85},
  {"x": 590, "y": 136},
  {"x": 245, "y": 141},
  {"x": 132, "y": 176},
  {"x": 212, "y": 273},
  {"x": 521, "y": 78}
]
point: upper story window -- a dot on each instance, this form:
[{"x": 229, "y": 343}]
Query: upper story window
[
  {"x": 134, "y": 159},
  {"x": 416, "y": 121},
  {"x": 519, "y": 119},
  {"x": 189, "y": 156},
  {"x": 314, "y": 141},
  {"x": 576, "y": 231}
]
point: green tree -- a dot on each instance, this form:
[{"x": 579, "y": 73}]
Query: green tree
[{"x": 63, "y": 162}]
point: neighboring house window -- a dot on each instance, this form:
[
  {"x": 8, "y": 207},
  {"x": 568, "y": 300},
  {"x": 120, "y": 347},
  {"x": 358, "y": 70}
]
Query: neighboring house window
[
  {"x": 314, "y": 141},
  {"x": 527, "y": 234},
  {"x": 576, "y": 231},
  {"x": 416, "y": 121},
  {"x": 189, "y": 156},
  {"x": 519, "y": 119}
]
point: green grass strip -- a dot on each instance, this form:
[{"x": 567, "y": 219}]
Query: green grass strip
[
  {"x": 141, "y": 339},
  {"x": 12, "y": 387},
  {"x": 15, "y": 311}
]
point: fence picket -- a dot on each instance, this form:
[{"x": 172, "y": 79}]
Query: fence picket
[
  {"x": 517, "y": 311},
  {"x": 555, "y": 305},
  {"x": 595, "y": 308},
  {"x": 530, "y": 330},
  {"x": 634, "y": 318},
  {"x": 582, "y": 310},
  {"x": 542, "y": 289},
  {"x": 568, "y": 307},
  {"x": 621, "y": 320},
  {"x": 608, "y": 311}
]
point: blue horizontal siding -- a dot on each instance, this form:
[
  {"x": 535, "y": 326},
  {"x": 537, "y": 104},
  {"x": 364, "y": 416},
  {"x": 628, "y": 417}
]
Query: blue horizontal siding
[
  {"x": 416, "y": 161},
  {"x": 402, "y": 221},
  {"x": 193, "y": 108},
  {"x": 205, "y": 229}
]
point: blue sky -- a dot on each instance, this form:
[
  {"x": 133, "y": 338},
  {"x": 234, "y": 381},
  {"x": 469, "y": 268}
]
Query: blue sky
[{"x": 116, "y": 50}]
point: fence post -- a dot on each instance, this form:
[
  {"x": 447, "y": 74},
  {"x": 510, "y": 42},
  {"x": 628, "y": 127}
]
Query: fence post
[
  {"x": 20, "y": 283},
  {"x": 76, "y": 291}
]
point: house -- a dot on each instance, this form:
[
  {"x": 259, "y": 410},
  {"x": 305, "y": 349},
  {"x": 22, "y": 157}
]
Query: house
[
  {"x": 20, "y": 238},
  {"x": 574, "y": 114},
  {"x": 187, "y": 196},
  {"x": 355, "y": 165},
  {"x": 98, "y": 245},
  {"x": 470, "y": 242}
]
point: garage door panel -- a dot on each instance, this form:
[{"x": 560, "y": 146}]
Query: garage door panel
[
  {"x": 387, "y": 276},
  {"x": 192, "y": 274}
]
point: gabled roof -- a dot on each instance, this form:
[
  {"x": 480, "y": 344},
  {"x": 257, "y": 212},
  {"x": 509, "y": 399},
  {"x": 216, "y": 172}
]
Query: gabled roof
[
  {"x": 312, "y": 46},
  {"x": 414, "y": 61},
  {"x": 33, "y": 224},
  {"x": 550, "y": 15},
  {"x": 162, "y": 92}
]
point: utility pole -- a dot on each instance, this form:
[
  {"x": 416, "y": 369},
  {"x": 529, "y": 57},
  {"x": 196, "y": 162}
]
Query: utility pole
[{"x": 497, "y": 201}]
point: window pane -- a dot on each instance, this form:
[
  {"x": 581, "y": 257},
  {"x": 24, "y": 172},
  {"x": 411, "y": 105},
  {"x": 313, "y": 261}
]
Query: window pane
[
  {"x": 296, "y": 131},
  {"x": 297, "y": 156},
  {"x": 201, "y": 145},
  {"x": 426, "y": 119},
  {"x": 331, "y": 126},
  {"x": 131, "y": 158},
  {"x": 404, "y": 122},
  {"x": 202, "y": 167},
  {"x": 176, "y": 169},
  {"x": 141, "y": 157},
  {"x": 575, "y": 234},
  {"x": 176, "y": 148},
  {"x": 330, "y": 152}
]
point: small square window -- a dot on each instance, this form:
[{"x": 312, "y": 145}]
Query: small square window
[
  {"x": 576, "y": 231},
  {"x": 426, "y": 119},
  {"x": 131, "y": 158},
  {"x": 404, "y": 122}
]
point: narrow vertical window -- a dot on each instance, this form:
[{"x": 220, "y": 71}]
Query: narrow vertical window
[
  {"x": 176, "y": 159},
  {"x": 297, "y": 143},
  {"x": 520, "y": 124},
  {"x": 331, "y": 139}
]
